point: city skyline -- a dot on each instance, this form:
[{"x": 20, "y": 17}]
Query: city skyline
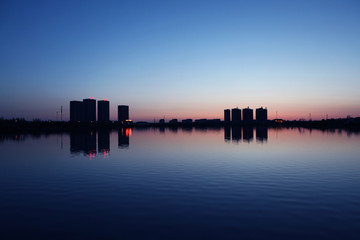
[
  {"x": 86, "y": 111},
  {"x": 181, "y": 59}
]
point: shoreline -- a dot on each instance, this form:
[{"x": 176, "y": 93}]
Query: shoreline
[{"x": 22, "y": 126}]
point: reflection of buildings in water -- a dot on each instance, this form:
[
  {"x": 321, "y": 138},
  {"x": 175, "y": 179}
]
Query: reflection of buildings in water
[
  {"x": 236, "y": 134},
  {"x": 84, "y": 141},
  {"x": 124, "y": 137},
  {"x": 104, "y": 142},
  {"x": 261, "y": 133},
  {"x": 200, "y": 129},
  {"x": 227, "y": 134},
  {"x": 187, "y": 129},
  {"x": 13, "y": 137},
  {"x": 248, "y": 134},
  {"x": 173, "y": 129},
  {"x": 207, "y": 129}
]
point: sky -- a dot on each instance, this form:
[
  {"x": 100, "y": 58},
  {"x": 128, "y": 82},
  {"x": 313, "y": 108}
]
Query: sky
[{"x": 181, "y": 59}]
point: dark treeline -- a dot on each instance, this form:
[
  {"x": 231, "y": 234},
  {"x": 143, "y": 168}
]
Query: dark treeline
[{"x": 23, "y": 126}]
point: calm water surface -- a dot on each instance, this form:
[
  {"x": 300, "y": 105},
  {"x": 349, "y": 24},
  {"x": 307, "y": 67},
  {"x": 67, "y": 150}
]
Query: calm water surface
[{"x": 181, "y": 184}]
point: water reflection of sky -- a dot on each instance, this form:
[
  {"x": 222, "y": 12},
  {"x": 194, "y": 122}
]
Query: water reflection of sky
[{"x": 294, "y": 183}]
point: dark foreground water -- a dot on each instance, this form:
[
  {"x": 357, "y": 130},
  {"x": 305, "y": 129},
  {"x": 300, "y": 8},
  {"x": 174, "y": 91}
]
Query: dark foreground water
[{"x": 181, "y": 184}]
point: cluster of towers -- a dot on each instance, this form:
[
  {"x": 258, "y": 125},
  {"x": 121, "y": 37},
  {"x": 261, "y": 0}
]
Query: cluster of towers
[
  {"x": 247, "y": 115},
  {"x": 85, "y": 111}
]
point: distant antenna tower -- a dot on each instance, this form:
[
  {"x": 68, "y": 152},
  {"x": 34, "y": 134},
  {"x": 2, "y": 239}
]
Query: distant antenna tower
[
  {"x": 309, "y": 116},
  {"x": 57, "y": 116},
  {"x": 61, "y": 112},
  {"x": 276, "y": 114}
]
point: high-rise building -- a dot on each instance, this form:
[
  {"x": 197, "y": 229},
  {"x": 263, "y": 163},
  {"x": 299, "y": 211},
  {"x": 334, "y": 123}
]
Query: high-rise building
[
  {"x": 261, "y": 114},
  {"x": 236, "y": 115},
  {"x": 103, "y": 110},
  {"x": 76, "y": 111},
  {"x": 227, "y": 115},
  {"x": 90, "y": 109},
  {"x": 187, "y": 120},
  {"x": 248, "y": 114},
  {"x": 173, "y": 121},
  {"x": 123, "y": 113}
]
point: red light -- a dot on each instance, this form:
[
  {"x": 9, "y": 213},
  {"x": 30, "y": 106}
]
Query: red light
[
  {"x": 92, "y": 155},
  {"x": 106, "y": 153},
  {"x": 128, "y": 132}
]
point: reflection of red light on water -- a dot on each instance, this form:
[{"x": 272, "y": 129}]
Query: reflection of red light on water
[
  {"x": 106, "y": 153},
  {"x": 128, "y": 132},
  {"x": 92, "y": 155}
]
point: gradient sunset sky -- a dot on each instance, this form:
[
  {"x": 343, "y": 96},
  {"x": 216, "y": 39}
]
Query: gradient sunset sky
[{"x": 181, "y": 59}]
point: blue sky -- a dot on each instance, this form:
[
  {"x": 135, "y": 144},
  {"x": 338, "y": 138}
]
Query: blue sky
[{"x": 183, "y": 59}]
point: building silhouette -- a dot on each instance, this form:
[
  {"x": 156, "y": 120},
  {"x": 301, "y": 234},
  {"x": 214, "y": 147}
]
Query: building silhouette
[
  {"x": 123, "y": 113},
  {"x": 202, "y": 120},
  {"x": 89, "y": 110},
  {"x": 187, "y": 120},
  {"x": 103, "y": 110},
  {"x": 261, "y": 114},
  {"x": 236, "y": 115},
  {"x": 173, "y": 121},
  {"x": 76, "y": 111},
  {"x": 248, "y": 114},
  {"x": 227, "y": 115}
]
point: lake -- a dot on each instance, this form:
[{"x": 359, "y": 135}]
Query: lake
[{"x": 181, "y": 183}]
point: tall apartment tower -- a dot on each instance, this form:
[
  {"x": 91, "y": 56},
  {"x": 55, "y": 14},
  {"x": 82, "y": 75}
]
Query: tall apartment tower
[
  {"x": 90, "y": 109},
  {"x": 227, "y": 115},
  {"x": 248, "y": 114},
  {"x": 103, "y": 110},
  {"x": 236, "y": 115},
  {"x": 76, "y": 111},
  {"x": 123, "y": 113},
  {"x": 261, "y": 114}
]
